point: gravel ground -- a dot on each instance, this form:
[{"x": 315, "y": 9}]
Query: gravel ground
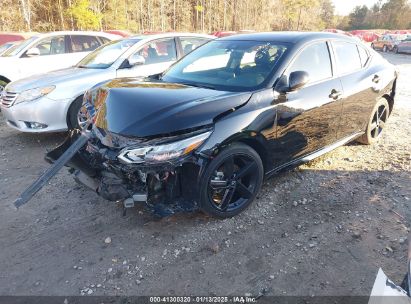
[{"x": 323, "y": 229}]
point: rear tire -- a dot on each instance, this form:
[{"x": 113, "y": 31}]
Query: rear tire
[
  {"x": 231, "y": 181},
  {"x": 385, "y": 49},
  {"x": 376, "y": 123}
]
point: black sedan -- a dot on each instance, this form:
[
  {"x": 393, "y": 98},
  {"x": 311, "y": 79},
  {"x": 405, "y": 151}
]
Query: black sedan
[{"x": 229, "y": 114}]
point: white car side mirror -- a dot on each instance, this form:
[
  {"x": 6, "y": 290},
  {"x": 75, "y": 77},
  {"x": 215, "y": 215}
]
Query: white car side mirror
[
  {"x": 136, "y": 60},
  {"x": 33, "y": 52}
]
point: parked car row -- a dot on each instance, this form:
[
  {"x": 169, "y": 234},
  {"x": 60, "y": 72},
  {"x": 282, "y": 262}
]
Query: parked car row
[
  {"x": 397, "y": 43},
  {"x": 209, "y": 129},
  {"x": 47, "y": 52},
  {"x": 51, "y": 102}
]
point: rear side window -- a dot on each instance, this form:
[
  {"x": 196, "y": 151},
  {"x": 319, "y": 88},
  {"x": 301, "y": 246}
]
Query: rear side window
[
  {"x": 51, "y": 46},
  {"x": 347, "y": 57},
  {"x": 363, "y": 55},
  {"x": 81, "y": 43},
  {"x": 315, "y": 60},
  {"x": 188, "y": 44}
]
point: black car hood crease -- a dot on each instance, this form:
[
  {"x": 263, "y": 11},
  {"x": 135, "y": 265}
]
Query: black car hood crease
[{"x": 146, "y": 108}]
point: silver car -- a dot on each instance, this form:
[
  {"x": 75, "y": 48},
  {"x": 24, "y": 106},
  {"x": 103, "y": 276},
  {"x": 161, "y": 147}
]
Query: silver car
[
  {"x": 52, "y": 102},
  {"x": 404, "y": 46}
]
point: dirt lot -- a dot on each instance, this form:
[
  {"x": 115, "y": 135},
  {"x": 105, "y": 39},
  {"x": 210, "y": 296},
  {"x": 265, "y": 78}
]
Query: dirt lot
[{"x": 322, "y": 229}]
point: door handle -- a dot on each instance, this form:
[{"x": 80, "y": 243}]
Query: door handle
[
  {"x": 335, "y": 94},
  {"x": 376, "y": 79}
]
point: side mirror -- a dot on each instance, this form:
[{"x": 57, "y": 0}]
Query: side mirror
[
  {"x": 297, "y": 80},
  {"x": 136, "y": 60},
  {"x": 33, "y": 52}
]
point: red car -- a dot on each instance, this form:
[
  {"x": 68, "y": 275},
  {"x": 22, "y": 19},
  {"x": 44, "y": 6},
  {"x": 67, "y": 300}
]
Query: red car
[
  {"x": 367, "y": 36},
  {"x": 10, "y": 36},
  {"x": 220, "y": 34}
]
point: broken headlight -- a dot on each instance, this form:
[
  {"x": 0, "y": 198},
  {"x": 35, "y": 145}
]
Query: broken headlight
[{"x": 163, "y": 152}]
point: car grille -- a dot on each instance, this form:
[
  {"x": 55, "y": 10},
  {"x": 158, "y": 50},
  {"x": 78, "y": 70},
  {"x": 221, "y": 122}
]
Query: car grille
[{"x": 7, "y": 99}]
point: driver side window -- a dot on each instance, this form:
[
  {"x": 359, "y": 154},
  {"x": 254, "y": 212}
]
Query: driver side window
[
  {"x": 159, "y": 51},
  {"x": 315, "y": 60}
]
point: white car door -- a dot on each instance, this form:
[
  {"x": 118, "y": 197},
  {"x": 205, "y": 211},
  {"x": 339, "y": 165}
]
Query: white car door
[
  {"x": 158, "y": 55},
  {"x": 53, "y": 54}
]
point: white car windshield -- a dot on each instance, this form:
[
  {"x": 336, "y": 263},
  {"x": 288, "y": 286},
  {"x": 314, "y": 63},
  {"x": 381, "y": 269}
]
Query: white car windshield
[
  {"x": 16, "y": 49},
  {"x": 106, "y": 55}
]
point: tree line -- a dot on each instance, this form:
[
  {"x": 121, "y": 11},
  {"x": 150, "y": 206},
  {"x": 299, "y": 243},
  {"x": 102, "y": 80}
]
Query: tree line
[
  {"x": 195, "y": 15},
  {"x": 393, "y": 14}
]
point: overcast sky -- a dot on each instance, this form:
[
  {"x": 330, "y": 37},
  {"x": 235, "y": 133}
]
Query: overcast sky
[{"x": 344, "y": 7}]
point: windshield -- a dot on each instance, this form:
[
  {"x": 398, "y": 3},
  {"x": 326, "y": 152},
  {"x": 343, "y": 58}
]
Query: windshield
[
  {"x": 228, "y": 65},
  {"x": 6, "y": 46},
  {"x": 106, "y": 55},
  {"x": 16, "y": 49}
]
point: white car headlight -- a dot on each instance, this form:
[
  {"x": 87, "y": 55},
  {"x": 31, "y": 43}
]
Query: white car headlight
[
  {"x": 162, "y": 153},
  {"x": 33, "y": 94}
]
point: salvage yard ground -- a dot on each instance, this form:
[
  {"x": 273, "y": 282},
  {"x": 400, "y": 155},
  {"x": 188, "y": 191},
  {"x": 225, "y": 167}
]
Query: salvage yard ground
[{"x": 322, "y": 229}]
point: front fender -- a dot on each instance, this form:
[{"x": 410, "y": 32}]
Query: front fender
[{"x": 254, "y": 124}]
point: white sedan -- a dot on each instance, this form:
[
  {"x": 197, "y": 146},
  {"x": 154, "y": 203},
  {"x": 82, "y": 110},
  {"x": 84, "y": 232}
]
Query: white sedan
[
  {"x": 48, "y": 52},
  {"x": 52, "y": 101}
]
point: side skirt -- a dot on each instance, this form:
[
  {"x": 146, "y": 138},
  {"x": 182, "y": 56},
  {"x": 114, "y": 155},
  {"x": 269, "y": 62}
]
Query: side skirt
[{"x": 306, "y": 158}]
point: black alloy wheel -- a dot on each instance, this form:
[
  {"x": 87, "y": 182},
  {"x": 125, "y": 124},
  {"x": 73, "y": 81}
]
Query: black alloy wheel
[
  {"x": 376, "y": 124},
  {"x": 231, "y": 181}
]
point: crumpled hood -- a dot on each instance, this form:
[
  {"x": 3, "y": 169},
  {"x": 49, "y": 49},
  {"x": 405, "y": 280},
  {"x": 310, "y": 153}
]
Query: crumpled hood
[
  {"x": 52, "y": 78},
  {"x": 143, "y": 108}
]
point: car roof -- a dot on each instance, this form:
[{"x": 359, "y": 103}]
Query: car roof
[
  {"x": 171, "y": 34},
  {"x": 89, "y": 33},
  {"x": 289, "y": 37}
]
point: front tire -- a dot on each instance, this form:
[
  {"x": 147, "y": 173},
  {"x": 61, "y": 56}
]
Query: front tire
[
  {"x": 3, "y": 84},
  {"x": 385, "y": 49},
  {"x": 376, "y": 123},
  {"x": 231, "y": 181},
  {"x": 372, "y": 46},
  {"x": 76, "y": 119},
  {"x": 395, "y": 49}
]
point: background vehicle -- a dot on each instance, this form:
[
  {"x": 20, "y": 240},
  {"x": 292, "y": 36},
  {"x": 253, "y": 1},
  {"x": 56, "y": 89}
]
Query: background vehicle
[
  {"x": 404, "y": 46},
  {"x": 48, "y": 52},
  {"x": 11, "y": 37},
  {"x": 387, "y": 42},
  {"x": 121, "y": 33},
  {"x": 210, "y": 134},
  {"x": 366, "y": 35},
  {"x": 58, "y": 95}
]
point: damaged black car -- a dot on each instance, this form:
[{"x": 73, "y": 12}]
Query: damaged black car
[{"x": 228, "y": 115}]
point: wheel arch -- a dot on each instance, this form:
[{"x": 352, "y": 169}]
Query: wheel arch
[
  {"x": 3, "y": 78},
  {"x": 255, "y": 141},
  {"x": 390, "y": 97}
]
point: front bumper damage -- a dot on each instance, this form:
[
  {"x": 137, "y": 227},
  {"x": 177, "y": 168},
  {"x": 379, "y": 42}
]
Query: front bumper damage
[{"x": 165, "y": 188}]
